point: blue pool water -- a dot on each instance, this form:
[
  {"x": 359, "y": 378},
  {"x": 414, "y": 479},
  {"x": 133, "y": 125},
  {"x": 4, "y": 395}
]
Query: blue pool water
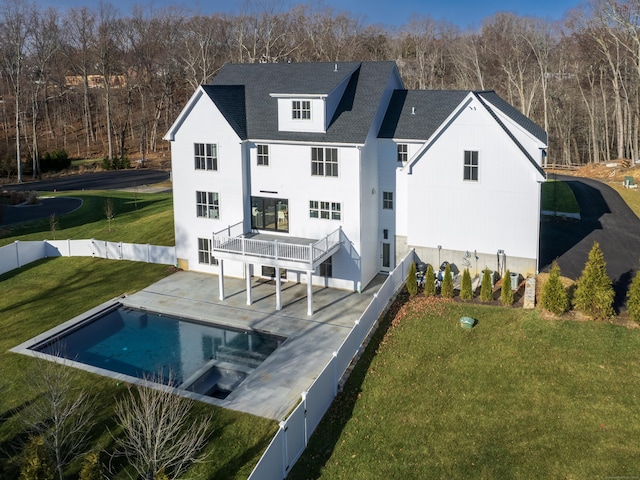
[{"x": 201, "y": 357}]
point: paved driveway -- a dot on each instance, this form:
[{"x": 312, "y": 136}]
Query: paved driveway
[{"x": 607, "y": 219}]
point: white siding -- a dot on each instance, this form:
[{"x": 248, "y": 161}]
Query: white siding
[
  {"x": 205, "y": 124},
  {"x": 498, "y": 212},
  {"x": 315, "y": 124}
]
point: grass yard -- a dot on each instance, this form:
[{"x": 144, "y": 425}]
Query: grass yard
[
  {"x": 138, "y": 218},
  {"x": 557, "y": 196},
  {"x": 46, "y": 293},
  {"x": 516, "y": 397},
  {"x": 631, "y": 196}
]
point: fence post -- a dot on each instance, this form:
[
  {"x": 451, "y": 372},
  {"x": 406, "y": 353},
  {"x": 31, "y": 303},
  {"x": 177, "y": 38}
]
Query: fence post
[
  {"x": 283, "y": 427},
  {"x": 120, "y": 249},
  {"x": 17, "y": 253},
  {"x": 335, "y": 374},
  {"x": 306, "y": 428},
  {"x": 275, "y": 248},
  {"x": 148, "y": 253}
]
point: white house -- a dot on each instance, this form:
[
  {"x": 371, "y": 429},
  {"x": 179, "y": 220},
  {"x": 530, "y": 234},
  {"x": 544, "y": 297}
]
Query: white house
[{"x": 328, "y": 173}]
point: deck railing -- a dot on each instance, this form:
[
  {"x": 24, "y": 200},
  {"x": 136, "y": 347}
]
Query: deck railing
[{"x": 275, "y": 249}]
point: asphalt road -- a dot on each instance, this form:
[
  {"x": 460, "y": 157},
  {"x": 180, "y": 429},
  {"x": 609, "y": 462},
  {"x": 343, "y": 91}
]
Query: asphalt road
[
  {"x": 605, "y": 218},
  {"x": 109, "y": 180}
]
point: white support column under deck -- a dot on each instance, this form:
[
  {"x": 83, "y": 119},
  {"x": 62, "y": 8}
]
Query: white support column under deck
[
  {"x": 221, "y": 279},
  {"x": 309, "y": 293},
  {"x": 278, "y": 290},
  {"x": 248, "y": 274}
]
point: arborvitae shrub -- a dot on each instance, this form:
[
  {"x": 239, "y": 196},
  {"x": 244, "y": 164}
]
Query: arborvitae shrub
[
  {"x": 633, "y": 298},
  {"x": 447, "y": 283},
  {"x": 594, "y": 291},
  {"x": 465, "y": 288},
  {"x": 506, "y": 293},
  {"x": 554, "y": 296},
  {"x": 412, "y": 284},
  {"x": 486, "y": 290},
  {"x": 429, "y": 282},
  {"x": 91, "y": 467},
  {"x": 35, "y": 462}
]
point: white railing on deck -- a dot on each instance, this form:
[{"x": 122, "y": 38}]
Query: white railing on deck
[
  {"x": 293, "y": 435},
  {"x": 18, "y": 254},
  {"x": 276, "y": 249}
]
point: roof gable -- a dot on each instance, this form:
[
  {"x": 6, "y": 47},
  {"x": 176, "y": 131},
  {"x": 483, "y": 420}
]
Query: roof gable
[
  {"x": 230, "y": 101},
  {"x": 353, "y": 116}
]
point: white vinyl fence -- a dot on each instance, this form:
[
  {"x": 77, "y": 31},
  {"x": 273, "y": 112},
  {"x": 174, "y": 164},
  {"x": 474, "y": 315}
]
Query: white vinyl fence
[
  {"x": 18, "y": 254},
  {"x": 294, "y": 432}
]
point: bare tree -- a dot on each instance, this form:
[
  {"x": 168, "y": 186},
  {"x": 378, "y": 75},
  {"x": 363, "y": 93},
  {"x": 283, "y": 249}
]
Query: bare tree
[
  {"x": 158, "y": 431},
  {"x": 62, "y": 413},
  {"x": 14, "y": 34}
]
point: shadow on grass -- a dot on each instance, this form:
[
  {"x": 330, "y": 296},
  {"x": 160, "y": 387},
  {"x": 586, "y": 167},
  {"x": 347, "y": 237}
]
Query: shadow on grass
[{"x": 327, "y": 434}]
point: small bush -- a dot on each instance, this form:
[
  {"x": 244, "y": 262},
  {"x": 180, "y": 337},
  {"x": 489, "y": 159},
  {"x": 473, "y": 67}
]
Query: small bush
[
  {"x": 91, "y": 467},
  {"x": 115, "y": 163},
  {"x": 447, "y": 283},
  {"x": 466, "y": 292},
  {"x": 633, "y": 298},
  {"x": 594, "y": 291},
  {"x": 486, "y": 289},
  {"x": 506, "y": 292},
  {"x": 35, "y": 463},
  {"x": 32, "y": 197},
  {"x": 55, "y": 161},
  {"x": 412, "y": 284},
  {"x": 429, "y": 282},
  {"x": 554, "y": 296}
]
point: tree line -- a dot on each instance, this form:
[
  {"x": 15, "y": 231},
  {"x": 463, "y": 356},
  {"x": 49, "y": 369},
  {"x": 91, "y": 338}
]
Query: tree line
[{"x": 98, "y": 83}]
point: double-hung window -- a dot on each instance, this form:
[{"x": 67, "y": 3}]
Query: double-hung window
[
  {"x": 403, "y": 153},
  {"x": 301, "y": 110},
  {"x": 325, "y": 210},
  {"x": 324, "y": 162},
  {"x": 387, "y": 200},
  {"x": 263, "y": 155},
  {"x": 208, "y": 205},
  {"x": 471, "y": 165},
  {"x": 205, "y": 156},
  {"x": 204, "y": 251}
]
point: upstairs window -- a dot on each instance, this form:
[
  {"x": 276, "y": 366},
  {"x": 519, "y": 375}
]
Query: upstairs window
[
  {"x": 263, "y": 155},
  {"x": 402, "y": 152},
  {"x": 324, "y": 162},
  {"x": 206, "y": 156},
  {"x": 471, "y": 165},
  {"x": 301, "y": 110},
  {"x": 387, "y": 200},
  {"x": 208, "y": 205}
]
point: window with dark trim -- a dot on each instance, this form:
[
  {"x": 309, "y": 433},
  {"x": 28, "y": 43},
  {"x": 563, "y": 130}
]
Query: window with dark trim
[
  {"x": 208, "y": 205},
  {"x": 263, "y": 155},
  {"x": 471, "y": 165},
  {"x": 387, "y": 200},
  {"x": 301, "y": 110},
  {"x": 205, "y": 156},
  {"x": 324, "y": 162},
  {"x": 204, "y": 251},
  {"x": 403, "y": 154},
  {"x": 325, "y": 210}
]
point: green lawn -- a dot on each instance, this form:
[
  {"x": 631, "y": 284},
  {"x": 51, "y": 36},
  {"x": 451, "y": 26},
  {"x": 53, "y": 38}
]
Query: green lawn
[
  {"x": 46, "y": 293},
  {"x": 138, "y": 218},
  {"x": 516, "y": 397},
  {"x": 558, "y": 197}
]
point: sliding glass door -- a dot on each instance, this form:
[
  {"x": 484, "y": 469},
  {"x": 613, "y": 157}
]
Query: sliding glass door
[{"x": 270, "y": 214}]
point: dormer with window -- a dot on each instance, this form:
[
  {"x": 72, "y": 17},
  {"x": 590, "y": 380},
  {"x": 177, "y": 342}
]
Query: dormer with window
[{"x": 310, "y": 112}]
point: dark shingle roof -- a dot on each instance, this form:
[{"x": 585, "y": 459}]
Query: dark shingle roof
[
  {"x": 417, "y": 114},
  {"x": 515, "y": 115},
  {"x": 353, "y": 117},
  {"x": 230, "y": 102}
]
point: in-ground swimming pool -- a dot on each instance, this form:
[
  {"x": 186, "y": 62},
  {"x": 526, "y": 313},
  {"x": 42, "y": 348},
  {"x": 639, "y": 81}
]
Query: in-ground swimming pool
[{"x": 196, "y": 356}]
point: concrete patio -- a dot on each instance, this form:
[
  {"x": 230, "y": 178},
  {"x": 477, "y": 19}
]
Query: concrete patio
[{"x": 274, "y": 388}]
